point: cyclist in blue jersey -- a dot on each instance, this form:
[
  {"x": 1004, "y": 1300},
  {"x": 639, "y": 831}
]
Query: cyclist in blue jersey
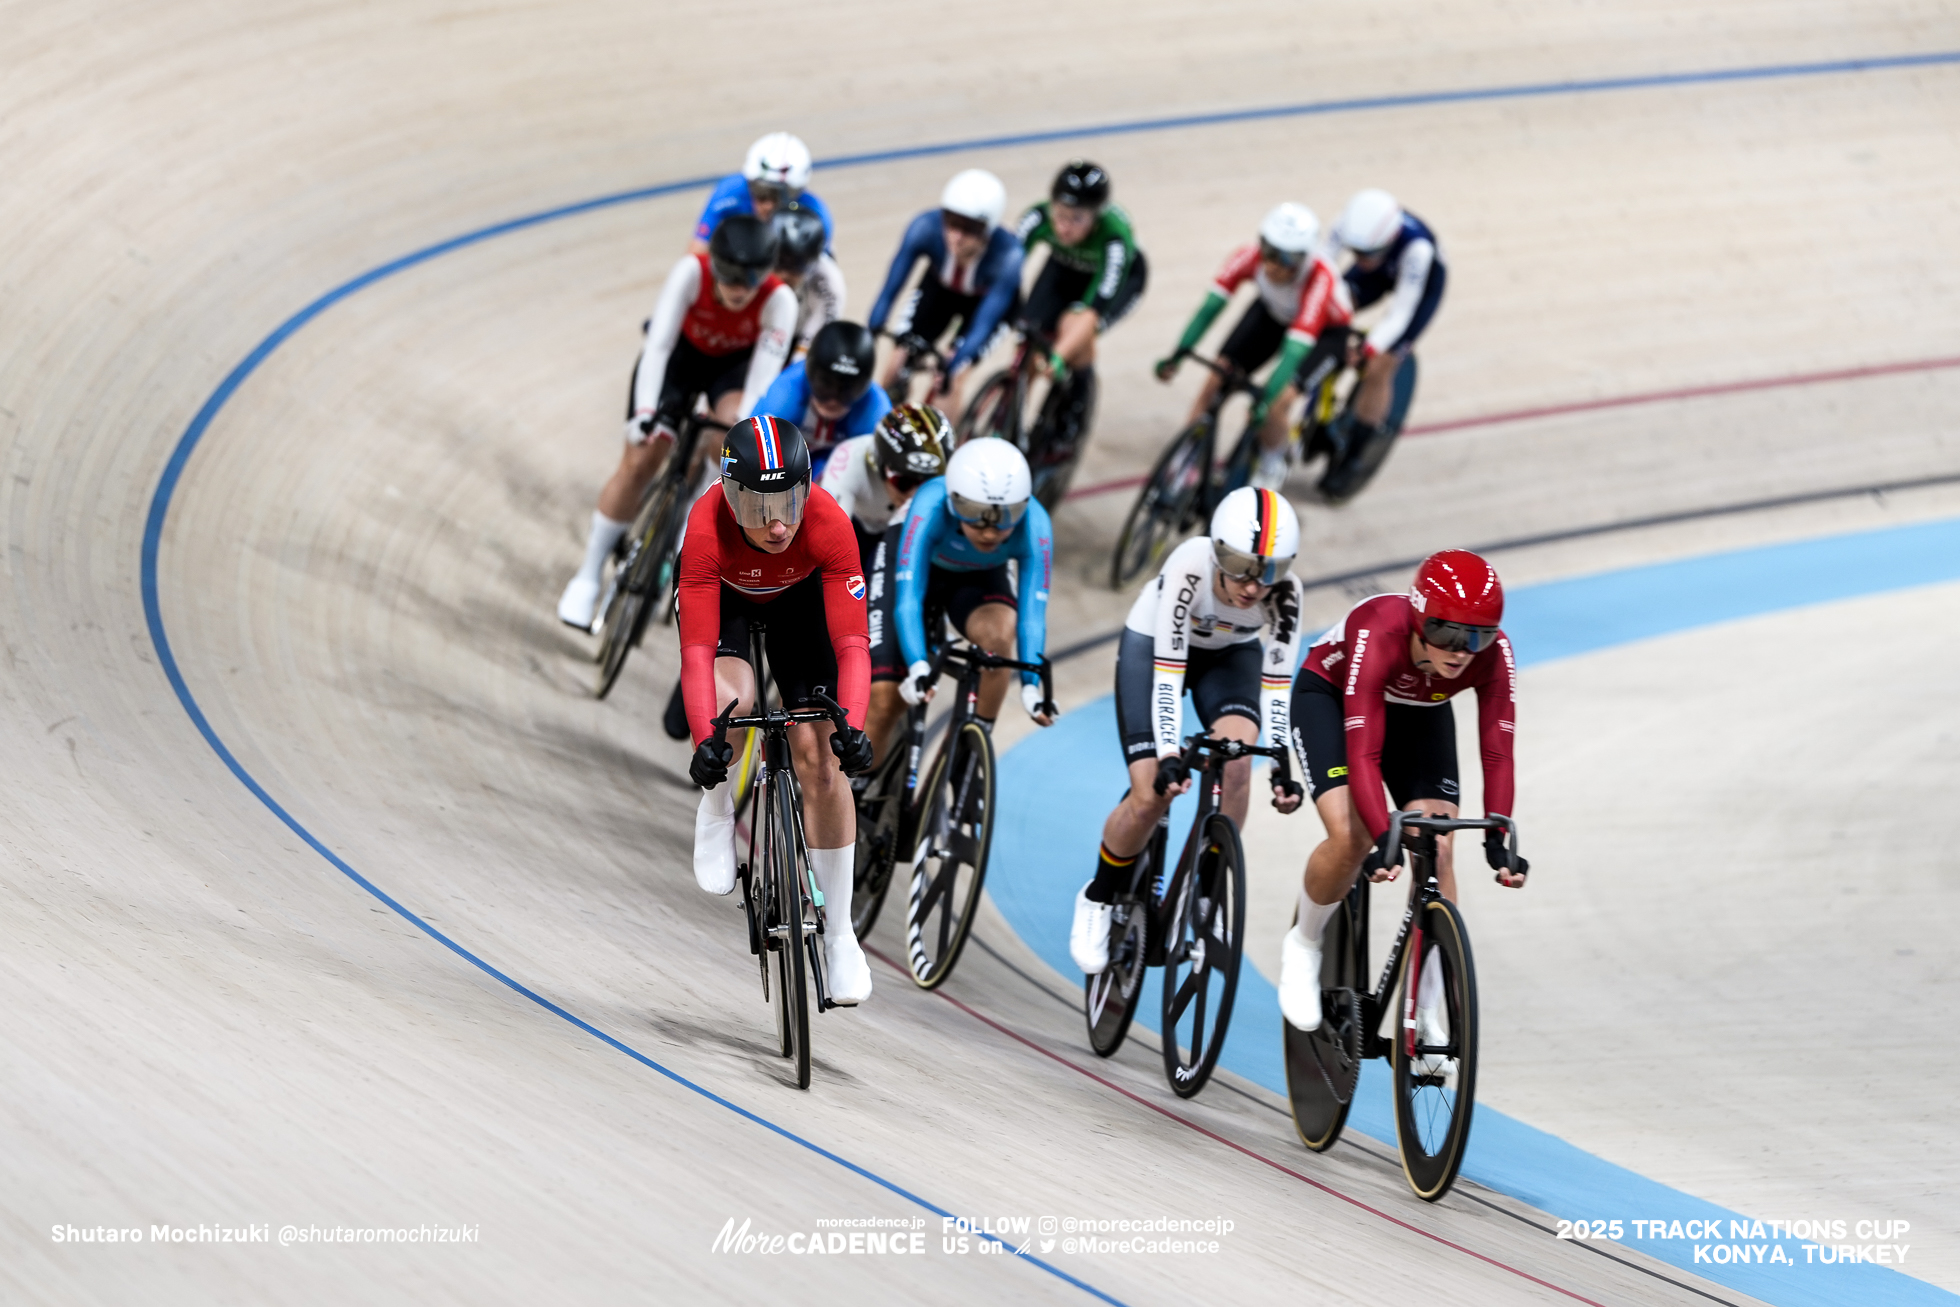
[
  {"x": 773, "y": 176},
  {"x": 1397, "y": 256},
  {"x": 973, "y": 275},
  {"x": 959, "y": 535},
  {"x": 829, "y": 394}
]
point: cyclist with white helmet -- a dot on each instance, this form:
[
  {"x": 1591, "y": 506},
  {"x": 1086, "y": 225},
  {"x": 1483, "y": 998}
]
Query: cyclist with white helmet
[
  {"x": 808, "y": 269},
  {"x": 1198, "y": 627},
  {"x": 1371, "y": 711},
  {"x": 960, "y": 533},
  {"x": 972, "y": 276},
  {"x": 720, "y": 331},
  {"x": 1395, "y": 255},
  {"x": 1300, "y": 305},
  {"x": 773, "y": 177}
]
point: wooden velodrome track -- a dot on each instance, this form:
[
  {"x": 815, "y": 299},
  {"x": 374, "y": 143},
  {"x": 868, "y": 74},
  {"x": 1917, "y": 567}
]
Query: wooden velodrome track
[{"x": 1732, "y": 974}]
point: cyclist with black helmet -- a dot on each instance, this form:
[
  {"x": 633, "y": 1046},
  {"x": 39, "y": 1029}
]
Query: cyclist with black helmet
[
  {"x": 1198, "y": 628},
  {"x": 806, "y": 268},
  {"x": 771, "y": 548},
  {"x": 720, "y": 331},
  {"x": 1371, "y": 710},
  {"x": 774, "y": 175},
  {"x": 830, "y": 393},
  {"x": 874, "y": 477},
  {"x": 959, "y": 535},
  {"x": 972, "y": 278}
]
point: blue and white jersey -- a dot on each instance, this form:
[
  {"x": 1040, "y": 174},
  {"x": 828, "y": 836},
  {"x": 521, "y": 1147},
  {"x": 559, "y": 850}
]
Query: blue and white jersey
[
  {"x": 1413, "y": 258},
  {"x": 932, "y": 538},
  {"x": 731, "y": 195},
  {"x": 995, "y": 277},
  {"x": 789, "y": 398}
]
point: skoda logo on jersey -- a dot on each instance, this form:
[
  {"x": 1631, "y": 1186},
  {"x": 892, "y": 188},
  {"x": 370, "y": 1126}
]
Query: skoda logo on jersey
[{"x": 856, "y": 586}]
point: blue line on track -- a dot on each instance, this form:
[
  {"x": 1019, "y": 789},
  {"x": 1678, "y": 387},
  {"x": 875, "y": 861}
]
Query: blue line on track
[{"x": 173, "y": 470}]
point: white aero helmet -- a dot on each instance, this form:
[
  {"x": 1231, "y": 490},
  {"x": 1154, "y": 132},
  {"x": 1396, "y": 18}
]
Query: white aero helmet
[
  {"x": 976, "y": 194},
  {"x": 778, "y": 159},
  {"x": 1290, "y": 229},
  {"x": 1255, "y": 535},
  {"x": 987, "y": 483},
  {"x": 1369, "y": 222}
]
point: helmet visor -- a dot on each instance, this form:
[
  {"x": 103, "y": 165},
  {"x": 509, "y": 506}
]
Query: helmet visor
[
  {"x": 1239, "y": 565},
  {"x": 959, "y": 222},
  {"x": 756, "y": 509},
  {"x": 776, "y": 193},
  {"x": 736, "y": 274},
  {"x": 1455, "y": 637},
  {"x": 978, "y": 512},
  {"x": 837, "y": 388},
  {"x": 1272, "y": 253}
]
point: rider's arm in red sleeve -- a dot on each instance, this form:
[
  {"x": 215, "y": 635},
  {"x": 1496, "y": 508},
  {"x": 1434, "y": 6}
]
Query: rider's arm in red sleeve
[
  {"x": 1365, "y": 714},
  {"x": 700, "y": 614},
  {"x": 843, "y": 602},
  {"x": 1497, "y": 727}
]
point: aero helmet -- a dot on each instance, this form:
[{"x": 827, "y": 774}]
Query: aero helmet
[
  {"x": 1369, "y": 222},
  {"x": 839, "y": 365},
  {"x": 765, "y": 472},
  {"x": 799, "y": 238},
  {"x": 987, "y": 483},
  {"x": 1255, "y": 535},
  {"x": 1459, "y": 599},
  {"x": 743, "y": 250},
  {"x": 1288, "y": 233},
  {"x": 910, "y": 444},
  {"x": 779, "y": 161},
  {"x": 975, "y": 195}
]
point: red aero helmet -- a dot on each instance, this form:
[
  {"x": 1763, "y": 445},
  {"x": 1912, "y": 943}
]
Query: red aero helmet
[{"x": 1457, "y": 586}]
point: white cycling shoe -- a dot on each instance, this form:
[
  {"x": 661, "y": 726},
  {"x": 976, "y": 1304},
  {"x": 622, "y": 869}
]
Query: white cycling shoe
[
  {"x": 849, "y": 971},
  {"x": 1299, "y": 980},
  {"x": 1088, "y": 937},
  {"x": 580, "y": 603},
  {"x": 714, "y": 840}
]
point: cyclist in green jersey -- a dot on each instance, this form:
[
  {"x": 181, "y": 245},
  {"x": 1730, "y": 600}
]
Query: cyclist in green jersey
[{"x": 1095, "y": 273}]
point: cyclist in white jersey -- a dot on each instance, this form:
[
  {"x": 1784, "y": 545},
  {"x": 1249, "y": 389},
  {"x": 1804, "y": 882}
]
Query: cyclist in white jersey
[{"x": 1197, "y": 626}]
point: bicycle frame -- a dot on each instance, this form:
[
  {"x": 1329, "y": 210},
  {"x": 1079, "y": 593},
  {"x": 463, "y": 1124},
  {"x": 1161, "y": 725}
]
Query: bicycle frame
[{"x": 1211, "y": 753}]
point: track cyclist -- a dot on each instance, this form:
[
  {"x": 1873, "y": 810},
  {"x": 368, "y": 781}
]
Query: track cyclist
[
  {"x": 806, "y": 267},
  {"x": 875, "y": 477},
  {"x": 973, "y": 275},
  {"x": 1300, "y": 296},
  {"x": 720, "y": 329},
  {"x": 1198, "y": 627},
  {"x": 1371, "y": 708},
  {"x": 1094, "y": 275},
  {"x": 768, "y": 547},
  {"x": 1395, "y": 254},
  {"x": 959, "y": 535},
  {"x": 773, "y": 176}
]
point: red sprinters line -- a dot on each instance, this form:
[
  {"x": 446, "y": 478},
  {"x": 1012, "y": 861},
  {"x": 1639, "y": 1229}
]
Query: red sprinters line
[
  {"x": 1617, "y": 401},
  {"x": 1213, "y": 1135}
]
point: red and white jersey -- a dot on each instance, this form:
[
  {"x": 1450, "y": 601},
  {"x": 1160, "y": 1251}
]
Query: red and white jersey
[
  {"x": 715, "y": 553},
  {"x": 1367, "y": 658},
  {"x": 687, "y": 307},
  {"x": 1309, "y": 304}
]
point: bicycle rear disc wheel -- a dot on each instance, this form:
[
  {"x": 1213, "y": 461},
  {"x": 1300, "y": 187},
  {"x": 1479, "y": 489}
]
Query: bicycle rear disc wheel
[
  {"x": 1162, "y": 509},
  {"x": 955, "y": 833},
  {"x": 1323, "y": 1066},
  {"x": 880, "y": 811},
  {"x": 1109, "y": 999},
  {"x": 1436, "y": 1090},
  {"x": 792, "y": 991},
  {"x": 1201, "y": 958}
]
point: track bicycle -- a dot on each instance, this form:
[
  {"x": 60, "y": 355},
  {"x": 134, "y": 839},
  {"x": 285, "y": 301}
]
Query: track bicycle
[
  {"x": 646, "y": 574},
  {"x": 1434, "y": 1068},
  {"x": 1327, "y": 423},
  {"x": 1190, "y": 922},
  {"x": 940, "y": 831},
  {"x": 1053, "y": 442},
  {"x": 917, "y": 357}
]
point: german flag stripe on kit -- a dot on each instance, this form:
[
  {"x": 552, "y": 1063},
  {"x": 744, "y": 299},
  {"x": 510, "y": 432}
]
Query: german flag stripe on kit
[{"x": 1268, "y": 535}]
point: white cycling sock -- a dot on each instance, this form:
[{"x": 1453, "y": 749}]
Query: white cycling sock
[
  {"x": 835, "y": 869},
  {"x": 605, "y": 534},
  {"x": 1314, "y": 916},
  {"x": 1429, "y": 990}
]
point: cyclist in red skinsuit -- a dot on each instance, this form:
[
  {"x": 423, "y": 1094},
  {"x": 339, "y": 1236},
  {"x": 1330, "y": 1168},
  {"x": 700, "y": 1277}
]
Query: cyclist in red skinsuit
[
  {"x": 1371, "y": 709},
  {"x": 768, "y": 548}
]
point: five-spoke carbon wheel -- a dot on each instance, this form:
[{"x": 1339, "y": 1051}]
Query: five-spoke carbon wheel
[{"x": 1201, "y": 957}]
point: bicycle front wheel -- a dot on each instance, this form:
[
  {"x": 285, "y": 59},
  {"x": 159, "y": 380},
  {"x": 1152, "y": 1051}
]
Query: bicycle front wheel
[
  {"x": 1201, "y": 957},
  {"x": 627, "y": 609},
  {"x": 792, "y": 978},
  {"x": 955, "y": 834},
  {"x": 1163, "y": 508},
  {"x": 1435, "y": 1057},
  {"x": 1324, "y": 1065}
]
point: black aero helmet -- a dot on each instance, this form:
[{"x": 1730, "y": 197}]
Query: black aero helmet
[
  {"x": 911, "y": 443},
  {"x": 1082, "y": 184},
  {"x": 742, "y": 250},
  {"x": 765, "y": 471},
  {"x": 840, "y": 362},
  {"x": 799, "y": 238}
]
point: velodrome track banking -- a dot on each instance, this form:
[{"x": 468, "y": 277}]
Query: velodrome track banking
[{"x": 1549, "y": 626}]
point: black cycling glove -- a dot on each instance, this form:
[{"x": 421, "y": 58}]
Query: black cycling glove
[
  {"x": 1171, "y": 771},
  {"x": 1499, "y": 858},
  {"x": 710, "y": 765},
  {"x": 1285, "y": 787},
  {"x": 853, "y": 750},
  {"x": 1377, "y": 859}
]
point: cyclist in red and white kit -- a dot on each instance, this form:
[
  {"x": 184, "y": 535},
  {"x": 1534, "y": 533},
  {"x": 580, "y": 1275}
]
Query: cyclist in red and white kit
[
  {"x": 721, "y": 329},
  {"x": 1300, "y": 298},
  {"x": 1371, "y": 708},
  {"x": 769, "y": 548}
]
